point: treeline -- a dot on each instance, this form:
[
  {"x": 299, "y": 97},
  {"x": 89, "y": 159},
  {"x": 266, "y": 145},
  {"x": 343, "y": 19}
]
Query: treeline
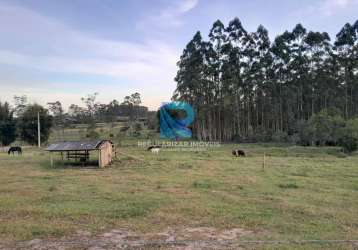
[
  {"x": 20, "y": 120},
  {"x": 244, "y": 87},
  {"x": 93, "y": 111}
]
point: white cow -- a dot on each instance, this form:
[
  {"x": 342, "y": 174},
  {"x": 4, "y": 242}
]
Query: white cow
[{"x": 154, "y": 149}]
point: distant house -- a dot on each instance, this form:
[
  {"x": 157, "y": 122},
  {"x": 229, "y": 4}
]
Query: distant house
[{"x": 79, "y": 151}]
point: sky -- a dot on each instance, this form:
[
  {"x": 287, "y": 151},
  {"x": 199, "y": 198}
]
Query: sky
[{"x": 53, "y": 50}]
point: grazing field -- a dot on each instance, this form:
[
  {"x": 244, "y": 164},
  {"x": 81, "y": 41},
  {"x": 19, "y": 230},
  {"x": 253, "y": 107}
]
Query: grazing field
[{"x": 302, "y": 194}]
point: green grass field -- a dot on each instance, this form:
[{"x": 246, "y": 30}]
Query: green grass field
[{"x": 302, "y": 194}]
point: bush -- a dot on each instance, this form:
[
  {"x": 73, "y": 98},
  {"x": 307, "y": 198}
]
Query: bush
[
  {"x": 262, "y": 135},
  {"x": 321, "y": 129},
  {"x": 348, "y": 143},
  {"x": 138, "y": 127},
  {"x": 294, "y": 139},
  {"x": 92, "y": 134},
  {"x": 305, "y": 131},
  {"x": 280, "y": 136},
  {"x": 237, "y": 138}
]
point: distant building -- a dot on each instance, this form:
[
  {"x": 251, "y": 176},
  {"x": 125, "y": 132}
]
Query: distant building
[{"x": 79, "y": 151}]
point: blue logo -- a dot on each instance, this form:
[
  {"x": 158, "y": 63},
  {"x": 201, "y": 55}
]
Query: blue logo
[{"x": 172, "y": 125}]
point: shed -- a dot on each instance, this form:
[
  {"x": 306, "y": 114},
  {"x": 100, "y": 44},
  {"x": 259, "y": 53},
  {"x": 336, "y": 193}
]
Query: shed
[{"x": 80, "y": 151}]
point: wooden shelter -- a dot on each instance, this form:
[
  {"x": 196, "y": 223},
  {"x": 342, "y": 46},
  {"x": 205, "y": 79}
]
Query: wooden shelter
[{"x": 79, "y": 151}]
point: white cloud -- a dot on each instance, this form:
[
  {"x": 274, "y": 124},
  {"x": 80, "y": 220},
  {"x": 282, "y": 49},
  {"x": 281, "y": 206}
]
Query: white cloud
[
  {"x": 32, "y": 41},
  {"x": 187, "y": 5},
  {"x": 170, "y": 16},
  {"x": 330, "y": 7}
]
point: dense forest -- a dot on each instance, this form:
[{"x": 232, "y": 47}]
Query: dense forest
[{"x": 244, "y": 87}]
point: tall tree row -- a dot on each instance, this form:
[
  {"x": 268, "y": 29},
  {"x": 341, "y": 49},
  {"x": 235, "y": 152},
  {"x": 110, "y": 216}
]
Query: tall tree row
[{"x": 243, "y": 86}]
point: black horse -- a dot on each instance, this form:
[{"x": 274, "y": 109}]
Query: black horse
[{"x": 15, "y": 149}]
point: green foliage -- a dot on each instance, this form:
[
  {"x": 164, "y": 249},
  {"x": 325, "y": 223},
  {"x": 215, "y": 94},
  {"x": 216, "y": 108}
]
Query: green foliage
[
  {"x": 57, "y": 112},
  {"x": 242, "y": 85},
  {"x": 27, "y": 124},
  {"x": 348, "y": 143},
  {"x": 323, "y": 128},
  {"x": 329, "y": 128},
  {"x": 280, "y": 136},
  {"x": 7, "y": 125},
  {"x": 326, "y": 127},
  {"x": 92, "y": 134},
  {"x": 351, "y": 128},
  {"x": 305, "y": 132},
  {"x": 349, "y": 136},
  {"x": 138, "y": 127}
]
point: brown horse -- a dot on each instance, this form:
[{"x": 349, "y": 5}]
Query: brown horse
[{"x": 238, "y": 153}]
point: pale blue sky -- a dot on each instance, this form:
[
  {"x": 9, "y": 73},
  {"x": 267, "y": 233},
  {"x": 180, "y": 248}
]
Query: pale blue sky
[{"x": 62, "y": 50}]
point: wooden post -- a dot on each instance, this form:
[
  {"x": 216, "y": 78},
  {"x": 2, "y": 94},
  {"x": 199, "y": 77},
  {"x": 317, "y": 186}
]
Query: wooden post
[
  {"x": 264, "y": 162},
  {"x": 99, "y": 158},
  {"x": 38, "y": 130},
  {"x": 51, "y": 159}
]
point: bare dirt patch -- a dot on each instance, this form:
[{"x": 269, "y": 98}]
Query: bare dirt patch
[{"x": 182, "y": 238}]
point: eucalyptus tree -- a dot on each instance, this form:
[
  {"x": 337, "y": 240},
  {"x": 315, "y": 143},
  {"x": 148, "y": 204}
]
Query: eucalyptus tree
[
  {"x": 242, "y": 85},
  {"x": 191, "y": 77},
  {"x": 284, "y": 66},
  {"x": 218, "y": 48},
  {"x": 318, "y": 50},
  {"x": 237, "y": 50},
  {"x": 261, "y": 70},
  {"x": 346, "y": 47}
]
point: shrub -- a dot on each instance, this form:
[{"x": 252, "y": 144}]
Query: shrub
[
  {"x": 280, "y": 136},
  {"x": 294, "y": 139},
  {"x": 263, "y": 135},
  {"x": 348, "y": 143},
  {"x": 92, "y": 134},
  {"x": 237, "y": 138},
  {"x": 138, "y": 127}
]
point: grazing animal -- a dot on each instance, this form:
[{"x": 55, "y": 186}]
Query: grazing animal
[
  {"x": 15, "y": 149},
  {"x": 238, "y": 153},
  {"x": 154, "y": 149}
]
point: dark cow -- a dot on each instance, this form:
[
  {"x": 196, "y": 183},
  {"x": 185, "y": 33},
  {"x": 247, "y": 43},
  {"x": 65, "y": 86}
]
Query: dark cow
[
  {"x": 12, "y": 150},
  {"x": 238, "y": 153},
  {"x": 153, "y": 147}
]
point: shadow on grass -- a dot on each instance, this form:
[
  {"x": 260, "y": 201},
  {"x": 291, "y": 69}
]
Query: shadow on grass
[{"x": 70, "y": 165}]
